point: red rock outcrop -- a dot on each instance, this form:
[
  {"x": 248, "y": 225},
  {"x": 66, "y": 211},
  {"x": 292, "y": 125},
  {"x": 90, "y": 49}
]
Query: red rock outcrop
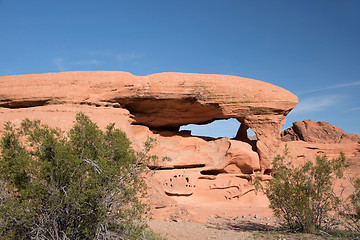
[
  {"x": 201, "y": 169},
  {"x": 164, "y": 100},
  {"x": 318, "y": 132},
  {"x": 205, "y": 175},
  {"x": 306, "y": 140}
]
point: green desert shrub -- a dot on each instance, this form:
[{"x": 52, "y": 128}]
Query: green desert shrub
[
  {"x": 355, "y": 199},
  {"x": 302, "y": 197},
  {"x": 350, "y": 211},
  {"x": 85, "y": 184}
]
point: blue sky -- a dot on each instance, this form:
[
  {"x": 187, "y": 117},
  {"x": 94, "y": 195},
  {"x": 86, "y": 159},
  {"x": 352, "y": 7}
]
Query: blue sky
[{"x": 310, "y": 47}]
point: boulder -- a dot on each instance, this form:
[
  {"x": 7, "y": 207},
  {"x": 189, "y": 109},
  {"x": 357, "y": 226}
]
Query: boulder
[{"x": 317, "y": 132}]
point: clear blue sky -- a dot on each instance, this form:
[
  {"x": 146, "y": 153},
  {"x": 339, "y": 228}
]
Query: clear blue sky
[{"x": 310, "y": 47}]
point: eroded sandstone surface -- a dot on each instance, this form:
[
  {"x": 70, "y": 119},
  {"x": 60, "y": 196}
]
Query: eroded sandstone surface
[
  {"x": 318, "y": 132},
  {"x": 164, "y": 100},
  {"x": 204, "y": 173}
]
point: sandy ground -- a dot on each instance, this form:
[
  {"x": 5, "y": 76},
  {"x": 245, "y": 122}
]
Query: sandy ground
[
  {"x": 231, "y": 229},
  {"x": 215, "y": 228},
  {"x": 187, "y": 230}
]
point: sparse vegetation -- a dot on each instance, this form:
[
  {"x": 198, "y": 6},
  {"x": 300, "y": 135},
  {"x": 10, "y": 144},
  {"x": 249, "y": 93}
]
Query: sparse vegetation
[
  {"x": 302, "y": 197},
  {"x": 350, "y": 211},
  {"x": 82, "y": 185}
]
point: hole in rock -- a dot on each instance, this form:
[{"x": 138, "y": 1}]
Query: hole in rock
[
  {"x": 25, "y": 104},
  {"x": 188, "y": 166},
  {"x": 251, "y": 134},
  {"x": 216, "y": 129},
  {"x": 212, "y": 172},
  {"x": 268, "y": 172}
]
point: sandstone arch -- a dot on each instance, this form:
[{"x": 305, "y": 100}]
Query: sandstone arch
[{"x": 164, "y": 100}]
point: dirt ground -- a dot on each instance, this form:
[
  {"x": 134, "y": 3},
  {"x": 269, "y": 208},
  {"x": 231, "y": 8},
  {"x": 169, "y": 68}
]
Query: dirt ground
[
  {"x": 230, "y": 229},
  {"x": 211, "y": 220},
  {"x": 213, "y": 229}
]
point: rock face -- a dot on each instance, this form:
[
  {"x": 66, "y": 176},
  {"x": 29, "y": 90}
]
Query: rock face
[
  {"x": 164, "y": 100},
  {"x": 201, "y": 169},
  {"x": 205, "y": 175},
  {"x": 319, "y": 132},
  {"x": 306, "y": 140}
]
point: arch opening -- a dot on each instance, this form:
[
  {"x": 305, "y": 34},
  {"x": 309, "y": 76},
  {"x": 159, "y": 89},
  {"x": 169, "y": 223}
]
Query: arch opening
[{"x": 217, "y": 129}]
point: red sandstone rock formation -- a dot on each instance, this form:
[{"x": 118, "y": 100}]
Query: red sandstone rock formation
[
  {"x": 205, "y": 175},
  {"x": 202, "y": 170},
  {"x": 307, "y": 139},
  {"x": 165, "y": 100},
  {"x": 319, "y": 132}
]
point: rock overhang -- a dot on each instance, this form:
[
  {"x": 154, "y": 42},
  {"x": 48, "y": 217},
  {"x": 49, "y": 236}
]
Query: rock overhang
[
  {"x": 175, "y": 99},
  {"x": 158, "y": 100},
  {"x": 163, "y": 100}
]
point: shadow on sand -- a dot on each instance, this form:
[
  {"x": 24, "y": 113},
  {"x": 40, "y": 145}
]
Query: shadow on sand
[{"x": 247, "y": 226}]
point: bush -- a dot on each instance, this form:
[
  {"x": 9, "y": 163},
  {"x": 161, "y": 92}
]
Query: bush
[
  {"x": 80, "y": 185},
  {"x": 350, "y": 211},
  {"x": 355, "y": 199},
  {"x": 302, "y": 197}
]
